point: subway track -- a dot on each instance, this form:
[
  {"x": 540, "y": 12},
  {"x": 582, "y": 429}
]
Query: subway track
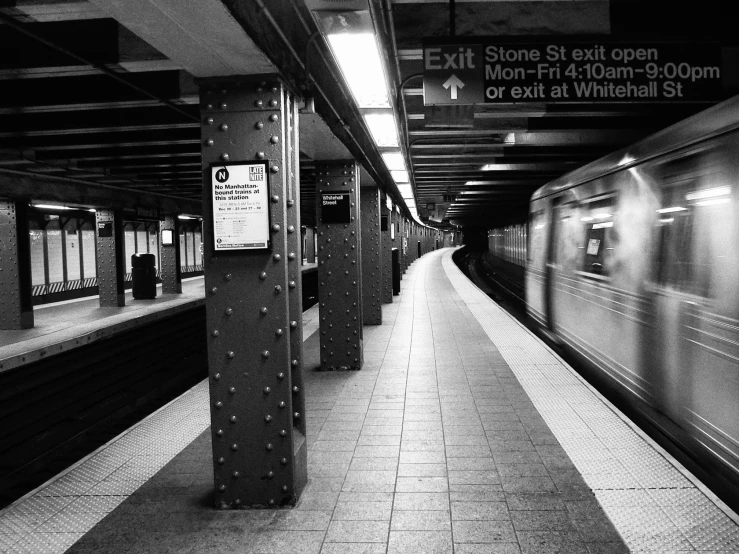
[{"x": 56, "y": 411}]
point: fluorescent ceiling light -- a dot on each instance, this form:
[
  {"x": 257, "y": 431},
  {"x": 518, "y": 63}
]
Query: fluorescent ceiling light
[
  {"x": 708, "y": 193},
  {"x": 671, "y": 210},
  {"x": 712, "y": 202},
  {"x": 604, "y": 225},
  {"x": 400, "y": 176},
  {"x": 382, "y": 127},
  {"x": 185, "y": 217},
  {"x": 50, "y": 207},
  {"x": 406, "y": 189},
  {"x": 359, "y": 59},
  {"x": 394, "y": 161}
]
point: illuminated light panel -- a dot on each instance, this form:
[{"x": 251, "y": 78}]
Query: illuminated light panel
[
  {"x": 672, "y": 209},
  {"x": 382, "y": 127},
  {"x": 50, "y": 207},
  {"x": 405, "y": 189},
  {"x": 359, "y": 60},
  {"x": 394, "y": 161},
  {"x": 602, "y": 216},
  {"x": 584, "y": 219},
  {"x": 626, "y": 160},
  {"x": 667, "y": 220},
  {"x": 604, "y": 225},
  {"x": 708, "y": 193},
  {"x": 712, "y": 202},
  {"x": 400, "y": 176}
]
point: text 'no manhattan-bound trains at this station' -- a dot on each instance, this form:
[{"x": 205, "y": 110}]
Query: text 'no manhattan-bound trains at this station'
[{"x": 574, "y": 72}]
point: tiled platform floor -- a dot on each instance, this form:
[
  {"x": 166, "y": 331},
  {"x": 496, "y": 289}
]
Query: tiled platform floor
[{"x": 444, "y": 442}]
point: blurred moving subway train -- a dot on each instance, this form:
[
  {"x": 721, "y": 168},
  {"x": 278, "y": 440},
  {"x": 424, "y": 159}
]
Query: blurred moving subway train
[{"x": 633, "y": 263}]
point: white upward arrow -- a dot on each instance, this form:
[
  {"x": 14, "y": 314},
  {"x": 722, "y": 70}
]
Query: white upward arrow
[{"x": 454, "y": 83}]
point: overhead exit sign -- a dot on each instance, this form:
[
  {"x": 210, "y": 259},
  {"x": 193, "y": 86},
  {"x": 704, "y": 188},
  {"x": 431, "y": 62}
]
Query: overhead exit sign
[
  {"x": 452, "y": 74},
  {"x": 489, "y": 70}
]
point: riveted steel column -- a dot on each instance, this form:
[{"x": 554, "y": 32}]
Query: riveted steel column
[
  {"x": 371, "y": 256},
  {"x": 339, "y": 271},
  {"x": 170, "y": 271},
  {"x": 404, "y": 242},
  {"x": 259, "y": 448},
  {"x": 110, "y": 261},
  {"x": 413, "y": 243},
  {"x": 16, "y": 308},
  {"x": 291, "y": 176},
  {"x": 387, "y": 256}
]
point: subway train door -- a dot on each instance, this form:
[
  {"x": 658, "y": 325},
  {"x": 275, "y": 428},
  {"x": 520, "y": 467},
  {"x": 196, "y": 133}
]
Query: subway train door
[
  {"x": 676, "y": 293},
  {"x": 555, "y": 233}
]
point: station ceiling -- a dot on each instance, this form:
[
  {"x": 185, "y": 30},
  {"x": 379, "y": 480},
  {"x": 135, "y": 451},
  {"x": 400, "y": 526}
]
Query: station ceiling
[{"x": 95, "y": 96}]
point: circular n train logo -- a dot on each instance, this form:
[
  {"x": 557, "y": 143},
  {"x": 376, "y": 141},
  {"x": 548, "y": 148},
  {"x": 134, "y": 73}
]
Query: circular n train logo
[{"x": 222, "y": 175}]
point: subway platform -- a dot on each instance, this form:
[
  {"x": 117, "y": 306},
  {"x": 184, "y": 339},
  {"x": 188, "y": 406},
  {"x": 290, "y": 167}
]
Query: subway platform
[
  {"x": 63, "y": 326},
  {"x": 462, "y": 433}
]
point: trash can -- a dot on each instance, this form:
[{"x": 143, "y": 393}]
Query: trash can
[
  {"x": 143, "y": 276},
  {"x": 396, "y": 271}
]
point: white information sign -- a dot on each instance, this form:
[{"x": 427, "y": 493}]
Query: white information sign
[{"x": 240, "y": 195}]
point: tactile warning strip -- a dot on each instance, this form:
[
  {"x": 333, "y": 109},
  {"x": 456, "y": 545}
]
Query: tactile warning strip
[
  {"x": 55, "y": 516},
  {"x": 655, "y": 504}
]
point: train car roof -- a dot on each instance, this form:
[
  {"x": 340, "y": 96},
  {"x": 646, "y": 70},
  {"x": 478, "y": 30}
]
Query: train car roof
[{"x": 714, "y": 121}]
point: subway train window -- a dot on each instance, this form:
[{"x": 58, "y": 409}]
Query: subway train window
[
  {"x": 693, "y": 222},
  {"x": 598, "y": 217},
  {"x": 537, "y": 221}
]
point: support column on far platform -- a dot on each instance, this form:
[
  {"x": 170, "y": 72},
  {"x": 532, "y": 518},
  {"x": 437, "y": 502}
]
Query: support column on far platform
[
  {"x": 386, "y": 224},
  {"x": 371, "y": 255},
  {"x": 339, "y": 265},
  {"x": 252, "y": 275},
  {"x": 110, "y": 258},
  {"x": 16, "y": 306},
  {"x": 404, "y": 242},
  {"x": 170, "y": 271}
]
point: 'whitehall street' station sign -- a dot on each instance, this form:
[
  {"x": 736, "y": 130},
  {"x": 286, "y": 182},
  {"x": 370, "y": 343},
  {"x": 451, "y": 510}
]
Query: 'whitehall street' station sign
[{"x": 493, "y": 72}]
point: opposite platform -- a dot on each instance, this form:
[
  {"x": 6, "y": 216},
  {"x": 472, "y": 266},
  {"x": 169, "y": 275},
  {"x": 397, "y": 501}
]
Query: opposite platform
[
  {"x": 64, "y": 326},
  {"x": 462, "y": 433}
]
